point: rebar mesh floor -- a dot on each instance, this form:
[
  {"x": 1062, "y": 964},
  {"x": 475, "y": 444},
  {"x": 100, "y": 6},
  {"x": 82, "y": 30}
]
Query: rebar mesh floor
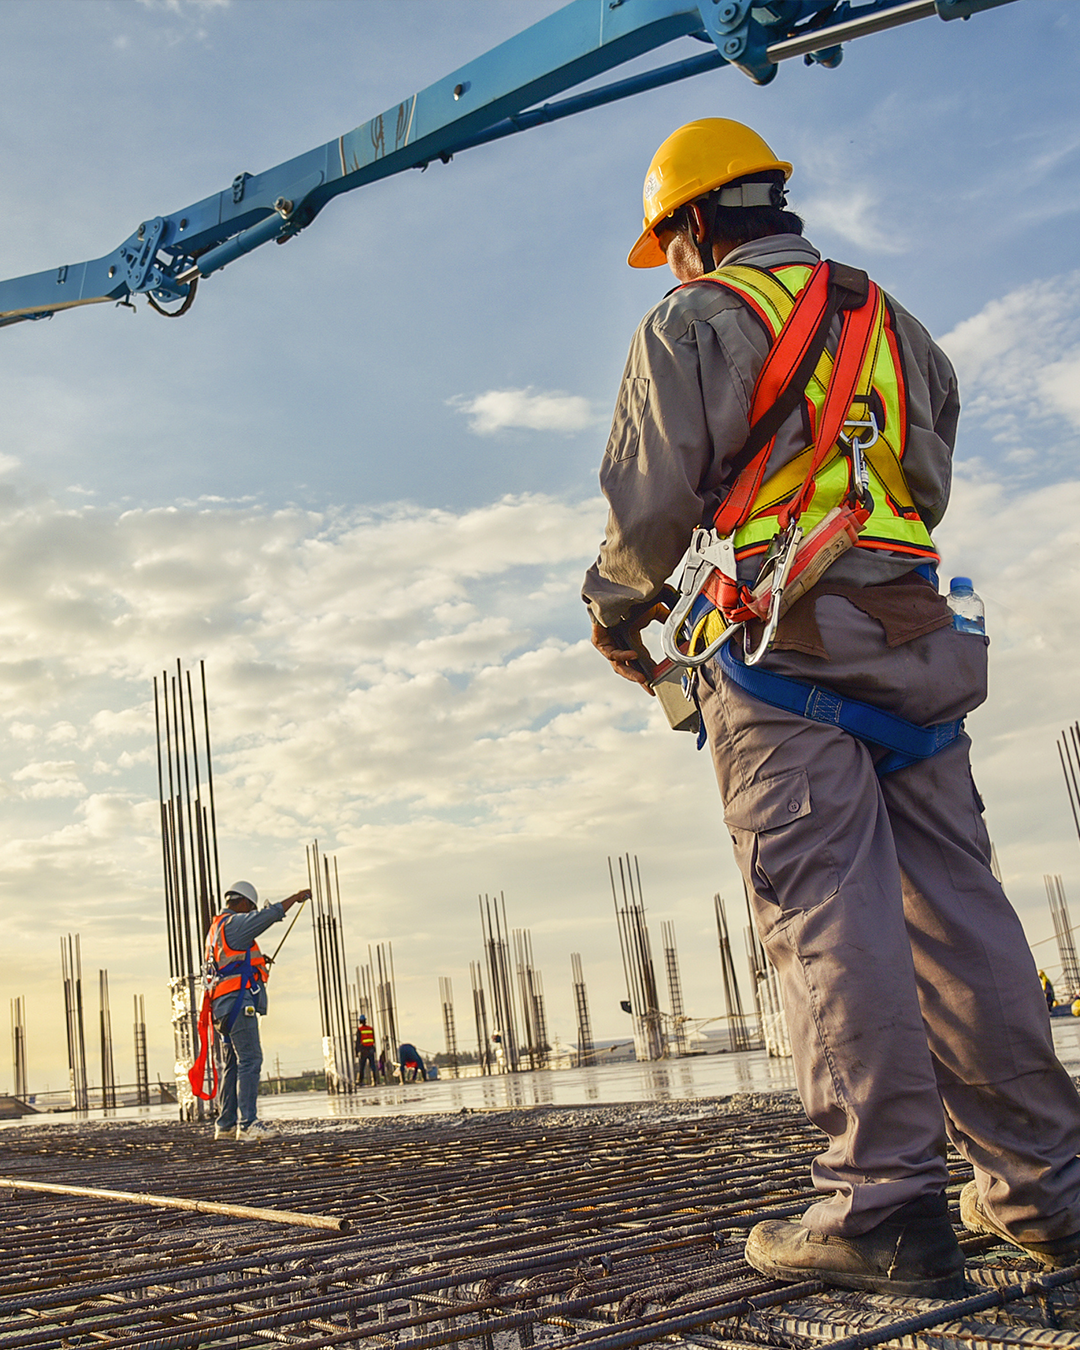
[{"x": 600, "y": 1227}]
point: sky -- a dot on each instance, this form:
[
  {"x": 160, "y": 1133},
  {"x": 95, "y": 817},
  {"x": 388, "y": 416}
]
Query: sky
[{"x": 358, "y": 481}]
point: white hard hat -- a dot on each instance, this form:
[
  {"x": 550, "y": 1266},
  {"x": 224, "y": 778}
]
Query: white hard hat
[{"x": 243, "y": 890}]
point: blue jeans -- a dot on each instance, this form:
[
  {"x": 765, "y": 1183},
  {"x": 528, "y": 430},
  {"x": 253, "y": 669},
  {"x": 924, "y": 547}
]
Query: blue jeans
[{"x": 239, "y": 1066}]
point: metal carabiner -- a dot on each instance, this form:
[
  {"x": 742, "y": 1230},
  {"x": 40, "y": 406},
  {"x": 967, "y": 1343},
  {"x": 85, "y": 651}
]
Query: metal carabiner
[
  {"x": 781, "y": 569},
  {"x": 860, "y": 475},
  {"x": 707, "y": 552}
]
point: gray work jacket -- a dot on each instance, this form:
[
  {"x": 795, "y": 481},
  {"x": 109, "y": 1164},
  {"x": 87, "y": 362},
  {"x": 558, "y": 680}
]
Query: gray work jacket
[{"x": 682, "y": 414}]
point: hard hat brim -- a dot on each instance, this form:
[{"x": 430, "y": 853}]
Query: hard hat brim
[{"x": 647, "y": 251}]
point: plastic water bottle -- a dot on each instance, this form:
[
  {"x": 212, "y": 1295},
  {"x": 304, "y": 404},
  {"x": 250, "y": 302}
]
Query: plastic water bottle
[{"x": 968, "y": 613}]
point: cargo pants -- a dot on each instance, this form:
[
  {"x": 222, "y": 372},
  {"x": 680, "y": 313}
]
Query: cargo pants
[{"x": 913, "y": 1004}]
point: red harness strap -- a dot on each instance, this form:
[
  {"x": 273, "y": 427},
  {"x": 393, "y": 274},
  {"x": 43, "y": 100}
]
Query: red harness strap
[{"x": 781, "y": 364}]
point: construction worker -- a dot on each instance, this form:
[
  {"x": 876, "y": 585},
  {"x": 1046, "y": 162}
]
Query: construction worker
[
  {"x": 913, "y": 1004},
  {"x": 365, "y": 1051},
  {"x": 1048, "y": 990},
  {"x": 410, "y": 1063},
  {"x": 237, "y": 974}
]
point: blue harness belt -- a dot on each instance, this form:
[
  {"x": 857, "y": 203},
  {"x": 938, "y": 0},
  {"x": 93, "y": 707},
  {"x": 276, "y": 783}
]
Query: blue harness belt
[
  {"x": 246, "y": 972},
  {"x": 906, "y": 741}
]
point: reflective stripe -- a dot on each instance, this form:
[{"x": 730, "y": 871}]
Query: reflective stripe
[
  {"x": 894, "y": 523},
  {"x": 229, "y": 962}
]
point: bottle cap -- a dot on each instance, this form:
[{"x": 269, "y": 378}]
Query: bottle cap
[{"x": 961, "y": 584}]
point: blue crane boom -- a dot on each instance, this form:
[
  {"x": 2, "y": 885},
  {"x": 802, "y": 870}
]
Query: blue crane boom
[{"x": 494, "y": 96}]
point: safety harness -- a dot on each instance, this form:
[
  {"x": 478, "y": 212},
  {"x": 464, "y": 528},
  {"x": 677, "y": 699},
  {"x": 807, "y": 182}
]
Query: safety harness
[
  {"x": 818, "y": 505},
  {"x": 241, "y": 973}
]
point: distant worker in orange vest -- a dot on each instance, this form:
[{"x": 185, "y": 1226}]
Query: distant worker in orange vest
[
  {"x": 365, "y": 1051},
  {"x": 236, "y": 978},
  {"x": 796, "y": 413}
]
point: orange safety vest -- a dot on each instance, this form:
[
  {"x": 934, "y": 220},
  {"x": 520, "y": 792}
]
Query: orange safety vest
[
  {"x": 366, "y": 1036},
  {"x": 228, "y": 962},
  {"x": 756, "y": 507}
]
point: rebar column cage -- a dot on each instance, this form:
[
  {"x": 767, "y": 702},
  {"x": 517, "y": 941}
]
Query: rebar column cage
[
  {"x": 1059, "y": 910},
  {"x": 586, "y": 1051},
  {"x": 739, "y": 1037},
  {"x": 446, "y": 998},
  {"x": 638, "y": 968},
  {"x": 18, "y": 1047}
]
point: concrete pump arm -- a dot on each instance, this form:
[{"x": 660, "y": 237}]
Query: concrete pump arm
[{"x": 494, "y": 96}]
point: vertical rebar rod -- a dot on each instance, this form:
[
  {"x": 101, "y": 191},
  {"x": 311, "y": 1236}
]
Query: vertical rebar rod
[
  {"x": 169, "y": 925},
  {"x": 178, "y": 834},
  {"x": 108, "y": 1070},
  {"x": 315, "y": 884},
  {"x": 202, "y": 843},
  {"x": 184, "y": 778},
  {"x": 81, "y": 1025},
  {"x": 340, "y": 977},
  {"x": 332, "y": 1012},
  {"x": 210, "y": 786}
]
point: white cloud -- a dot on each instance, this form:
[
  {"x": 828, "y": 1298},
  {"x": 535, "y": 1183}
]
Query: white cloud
[
  {"x": 184, "y": 7},
  {"x": 1018, "y": 359},
  {"x": 500, "y": 409},
  {"x": 49, "y": 779},
  {"x": 854, "y": 214}
]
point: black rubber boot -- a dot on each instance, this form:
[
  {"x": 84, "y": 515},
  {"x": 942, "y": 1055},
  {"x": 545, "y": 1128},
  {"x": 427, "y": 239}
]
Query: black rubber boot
[
  {"x": 1054, "y": 1253},
  {"x": 912, "y": 1253}
]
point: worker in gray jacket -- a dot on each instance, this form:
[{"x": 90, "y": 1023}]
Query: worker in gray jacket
[{"x": 913, "y": 1005}]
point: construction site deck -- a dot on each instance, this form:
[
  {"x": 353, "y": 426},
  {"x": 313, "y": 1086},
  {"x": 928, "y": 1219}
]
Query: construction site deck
[{"x": 604, "y": 1227}]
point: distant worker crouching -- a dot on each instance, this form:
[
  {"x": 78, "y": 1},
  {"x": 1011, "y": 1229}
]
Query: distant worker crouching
[
  {"x": 236, "y": 976},
  {"x": 410, "y": 1063},
  {"x": 365, "y": 1051}
]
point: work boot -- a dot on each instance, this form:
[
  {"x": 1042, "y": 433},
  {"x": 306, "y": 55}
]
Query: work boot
[
  {"x": 1054, "y": 1253},
  {"x": 220, "y": 1135},
  {"x": 912, "y": 1253},
  {"x": 255, "y": 1133}
]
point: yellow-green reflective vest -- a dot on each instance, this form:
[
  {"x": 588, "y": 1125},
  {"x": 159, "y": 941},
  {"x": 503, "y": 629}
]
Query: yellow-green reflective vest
[{"x": 894, "y": 523}]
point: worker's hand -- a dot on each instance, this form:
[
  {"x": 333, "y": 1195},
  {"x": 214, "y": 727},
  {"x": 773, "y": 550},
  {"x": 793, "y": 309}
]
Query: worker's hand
[
  {"x": 630, "y": 661},
  {"x": 296, "y": 899}
]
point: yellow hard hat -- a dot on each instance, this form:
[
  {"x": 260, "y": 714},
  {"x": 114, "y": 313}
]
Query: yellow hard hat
[{"x": 694, "y": 160}]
